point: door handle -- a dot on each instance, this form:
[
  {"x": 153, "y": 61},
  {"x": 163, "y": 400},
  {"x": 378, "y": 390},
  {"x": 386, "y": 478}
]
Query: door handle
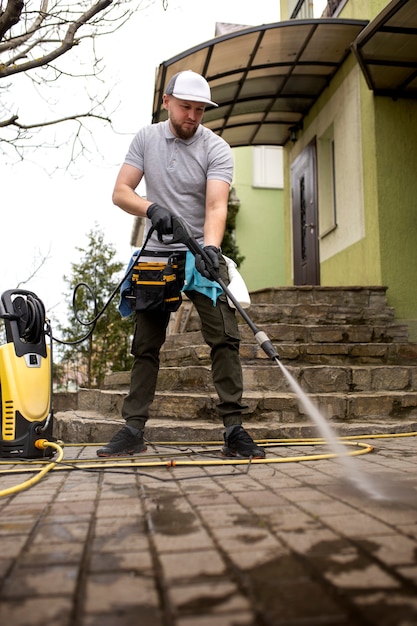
[{"x": 311, "y": 226}]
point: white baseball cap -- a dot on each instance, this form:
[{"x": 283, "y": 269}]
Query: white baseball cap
[{"x": 189, "y": 85}]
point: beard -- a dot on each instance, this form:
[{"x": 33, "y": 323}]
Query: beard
[{"x": 183, "y": 132}]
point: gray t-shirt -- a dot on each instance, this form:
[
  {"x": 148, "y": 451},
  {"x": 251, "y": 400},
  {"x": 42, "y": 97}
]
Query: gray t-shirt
[{"x": 176, "y": 172}]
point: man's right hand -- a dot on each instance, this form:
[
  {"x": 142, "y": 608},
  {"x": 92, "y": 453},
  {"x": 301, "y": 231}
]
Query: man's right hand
[{"x": 161, "y": 219}]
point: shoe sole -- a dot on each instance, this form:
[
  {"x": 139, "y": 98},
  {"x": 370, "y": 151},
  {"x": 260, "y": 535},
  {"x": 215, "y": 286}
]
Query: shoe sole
[
  {"x": 230, "y": 454},
  {"x": 123, "y": 453}
]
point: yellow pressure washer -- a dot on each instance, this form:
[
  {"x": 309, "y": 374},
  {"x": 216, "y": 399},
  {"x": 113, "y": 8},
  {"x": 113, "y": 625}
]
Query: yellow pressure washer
[{"x": 25, "y": 377}]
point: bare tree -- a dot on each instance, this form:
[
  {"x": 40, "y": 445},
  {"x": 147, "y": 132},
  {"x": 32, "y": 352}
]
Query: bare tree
[
  {"x": 34, "y": 39},
  {"x": 39, "y": 262}
]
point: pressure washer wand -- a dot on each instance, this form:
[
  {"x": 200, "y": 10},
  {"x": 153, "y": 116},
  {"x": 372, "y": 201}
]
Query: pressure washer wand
[{"x": 182, "y": 234}]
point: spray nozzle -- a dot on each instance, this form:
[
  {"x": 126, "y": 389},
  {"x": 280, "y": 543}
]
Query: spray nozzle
[{"x": 266, "y": 345}]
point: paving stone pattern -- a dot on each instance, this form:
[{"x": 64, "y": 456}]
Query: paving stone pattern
[{"x": 279, "y": 544}]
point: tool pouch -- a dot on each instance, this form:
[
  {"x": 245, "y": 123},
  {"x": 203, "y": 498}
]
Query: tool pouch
[{"x": 157, "y": 281}]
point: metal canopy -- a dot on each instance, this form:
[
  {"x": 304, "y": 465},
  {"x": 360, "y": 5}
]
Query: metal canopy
[
  {"x": 387, "y": 50},
  {"x": 266, "y": 78}
]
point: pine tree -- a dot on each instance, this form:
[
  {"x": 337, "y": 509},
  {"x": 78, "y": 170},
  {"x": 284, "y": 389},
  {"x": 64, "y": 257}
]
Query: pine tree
[
  {"x": 229, "y": 246},
  {"x": 107, "y": 349}
]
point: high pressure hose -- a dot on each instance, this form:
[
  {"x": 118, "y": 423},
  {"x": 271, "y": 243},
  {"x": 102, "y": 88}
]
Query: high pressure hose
[{"x": 97, "y": 314}]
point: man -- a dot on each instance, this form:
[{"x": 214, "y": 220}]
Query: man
[{"x": 188, "y": 170}]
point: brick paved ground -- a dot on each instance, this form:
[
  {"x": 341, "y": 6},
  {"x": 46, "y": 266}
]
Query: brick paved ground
[{"x": 269, "y": 544}]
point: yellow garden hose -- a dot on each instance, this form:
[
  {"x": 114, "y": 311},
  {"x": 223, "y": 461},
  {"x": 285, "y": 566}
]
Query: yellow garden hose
[
  {"x": 41, "y": 444},
  {"x": 134, "y": 462}
]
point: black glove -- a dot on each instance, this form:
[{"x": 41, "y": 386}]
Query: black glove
[
  {"x": 161, "y": 219},
  {"x": 210, "y": 268}
]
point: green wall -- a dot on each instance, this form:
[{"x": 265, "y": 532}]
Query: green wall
[
  {"x": 360, "y": 264},
  {"x": 396, "y": 153},
  {"x": 362, "y": 9},
  {"x": 259, "y": 227},
  {"x": 288, "y": 221}
]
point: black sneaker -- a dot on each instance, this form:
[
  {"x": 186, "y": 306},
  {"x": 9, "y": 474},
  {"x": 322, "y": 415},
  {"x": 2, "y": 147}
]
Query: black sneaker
[
  {"x": 241, "y": 445},
  {"x": 124, "y": 442}
]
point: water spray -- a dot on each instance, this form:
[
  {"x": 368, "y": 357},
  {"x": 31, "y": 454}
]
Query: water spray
[{"x": 182, "y": 234}]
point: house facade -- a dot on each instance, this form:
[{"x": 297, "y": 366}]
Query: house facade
[{"x": 350, "y": 191}]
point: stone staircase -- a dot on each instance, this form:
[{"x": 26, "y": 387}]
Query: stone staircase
[{"x": 342, "y": 345}]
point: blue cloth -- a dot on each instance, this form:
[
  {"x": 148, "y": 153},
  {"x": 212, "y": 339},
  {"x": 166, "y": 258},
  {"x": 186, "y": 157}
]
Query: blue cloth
[{"x": 194, "y": 281}]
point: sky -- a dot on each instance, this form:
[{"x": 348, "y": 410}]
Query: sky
[{"x": 47, "y": 212}]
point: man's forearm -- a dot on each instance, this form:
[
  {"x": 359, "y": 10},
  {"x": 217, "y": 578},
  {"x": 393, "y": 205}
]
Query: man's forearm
[
  {"x": 129, "y": 201},
  {"x": 214, "y": 227}
]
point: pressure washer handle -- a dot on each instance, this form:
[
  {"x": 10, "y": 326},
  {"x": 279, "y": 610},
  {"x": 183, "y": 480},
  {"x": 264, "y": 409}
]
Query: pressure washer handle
[{"x": 181, "y": 233}]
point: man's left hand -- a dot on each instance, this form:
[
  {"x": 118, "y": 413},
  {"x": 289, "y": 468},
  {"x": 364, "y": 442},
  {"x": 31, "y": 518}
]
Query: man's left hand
[{"x": 208, "y": 266}]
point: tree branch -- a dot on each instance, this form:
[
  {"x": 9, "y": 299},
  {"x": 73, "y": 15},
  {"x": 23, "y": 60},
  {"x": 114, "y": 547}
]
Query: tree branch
[
  {"x": 34, "y": 38},
  {"x": 67, "y": 43},
  {"x": 15, "y": 42},
  {"x": 9, "y": 122},
  {"x": 13, "y": 121},
  {"x": 10, "y": 16}
]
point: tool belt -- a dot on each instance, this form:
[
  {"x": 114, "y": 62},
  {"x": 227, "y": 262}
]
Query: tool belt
[{"x": 157, "y": 281}]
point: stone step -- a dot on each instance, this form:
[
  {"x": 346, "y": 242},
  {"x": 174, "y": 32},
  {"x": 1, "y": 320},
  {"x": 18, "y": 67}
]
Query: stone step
[
  {"x": 324, "y": 353},
  {"x": 319, "y": 313},
  {"x": 302, "y": 314},
  {"x": 77, "y": 426},
  {"x": 372, "y": 296},
  {"x": 311, "y": 378},
  {"x": 263, "y": 405},
  {"x": 307, "y": 333}
]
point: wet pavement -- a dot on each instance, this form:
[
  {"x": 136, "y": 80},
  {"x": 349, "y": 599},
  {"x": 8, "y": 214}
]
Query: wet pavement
[{"x": 288, "y": 542}]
